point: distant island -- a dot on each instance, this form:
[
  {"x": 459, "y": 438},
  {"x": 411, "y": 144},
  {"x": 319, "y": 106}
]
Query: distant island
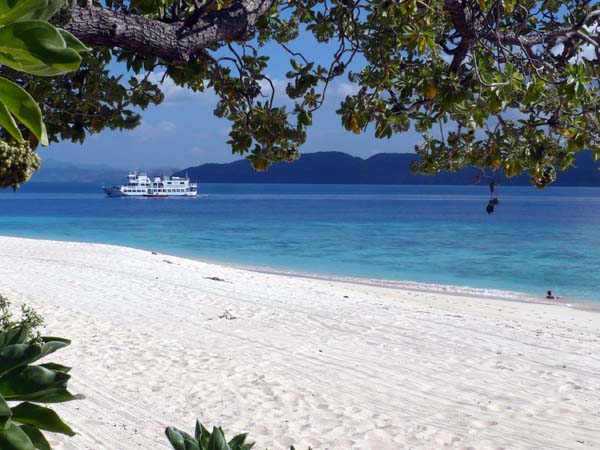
[
  {"x": 311, "y": 168},
  {"x": 53, "y": 171},
  {"x": 383, "y": 168}
]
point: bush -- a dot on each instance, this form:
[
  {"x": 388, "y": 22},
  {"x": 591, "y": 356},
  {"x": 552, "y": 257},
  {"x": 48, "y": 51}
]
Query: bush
[
  {"x": 23, "y": 385},
  {"x": 205, "y": 440}
]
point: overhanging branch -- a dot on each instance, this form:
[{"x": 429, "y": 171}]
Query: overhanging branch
[{"x": 172, "y": 42}]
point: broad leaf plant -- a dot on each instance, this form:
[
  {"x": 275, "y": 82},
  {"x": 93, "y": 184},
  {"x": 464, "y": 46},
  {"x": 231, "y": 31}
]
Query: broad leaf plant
[{"x": 29, "y": 45}]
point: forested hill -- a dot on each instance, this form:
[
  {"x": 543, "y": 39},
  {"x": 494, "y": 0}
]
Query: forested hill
[{"x": 383, "y": 168}]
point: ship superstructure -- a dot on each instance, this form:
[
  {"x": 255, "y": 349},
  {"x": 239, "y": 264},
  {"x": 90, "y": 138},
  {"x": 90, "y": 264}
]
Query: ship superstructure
[{"x": 140, "y": 185}]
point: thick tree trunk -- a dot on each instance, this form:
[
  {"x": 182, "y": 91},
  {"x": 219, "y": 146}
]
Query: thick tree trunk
[{"x": 173, "y": 42}]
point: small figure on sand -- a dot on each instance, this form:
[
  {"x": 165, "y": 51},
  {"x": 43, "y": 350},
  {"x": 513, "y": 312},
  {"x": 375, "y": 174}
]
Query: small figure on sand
[{"x": 551, "y": 296}]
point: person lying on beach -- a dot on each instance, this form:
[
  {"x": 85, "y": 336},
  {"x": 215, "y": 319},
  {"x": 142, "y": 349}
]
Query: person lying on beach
[{"x": 550, "y": 296}]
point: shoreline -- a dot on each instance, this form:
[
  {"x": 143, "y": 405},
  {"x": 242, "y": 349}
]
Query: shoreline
[
  {"x": 468, "y": 291},
  {"x": 302, "y": 361}
]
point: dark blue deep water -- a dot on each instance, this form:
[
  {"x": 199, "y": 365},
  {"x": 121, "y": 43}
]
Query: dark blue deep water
[{"x": 435, "y": 234}]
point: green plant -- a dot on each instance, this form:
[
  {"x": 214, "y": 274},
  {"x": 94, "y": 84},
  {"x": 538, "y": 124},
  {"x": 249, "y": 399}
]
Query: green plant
[
  {"x": 205, "y": 440},
  {"x": 29, "y": 317},
  {"x": 29, "y": 44},
  {"x": 23, "y": 385}
]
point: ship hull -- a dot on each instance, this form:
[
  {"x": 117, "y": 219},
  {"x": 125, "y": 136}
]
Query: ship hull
[{"x": 116, "y": 192}]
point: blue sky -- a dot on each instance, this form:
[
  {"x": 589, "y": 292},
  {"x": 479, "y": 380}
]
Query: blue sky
[{"x": 183, "y": 131}]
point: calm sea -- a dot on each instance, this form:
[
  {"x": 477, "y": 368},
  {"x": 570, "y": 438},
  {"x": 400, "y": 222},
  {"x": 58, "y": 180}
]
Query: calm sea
[{"x": 433, "y": 234}]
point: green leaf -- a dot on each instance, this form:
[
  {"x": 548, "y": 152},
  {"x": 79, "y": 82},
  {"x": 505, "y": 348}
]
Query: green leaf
[
  {"x": 36, "y": 384},
  {"x": 52, "y": 344},
  {"x": 205, "y": 437},
  {"x": 8, "y": 123},
  {"x": 37, "y": 438},
  {"x": 14, "y": 356},
  {"x": 40, "y": 417},
  {"x": 237, "y": 442},
  {"x": 305, "y": 118},
  {"x": 217, "y": 441},
  {"x": 180, "y": 440},
  {"x": 36, "y": 47},
  {"x": 16, "y": 335},
  {"x": 5, "y": 414},
  {"x": 23, "y": 107},
  {"x": 143, "y": 6},
  {"x": 12, "y": 10},
  {"x": 52, "y": 395},
  {"x": 56, "y": 367},
  {"x": 44, "y": 10},
  {"x": 13, "y": 438},
  {"x": 198, "y": 431},
  {"x": 72, "y": 42}
]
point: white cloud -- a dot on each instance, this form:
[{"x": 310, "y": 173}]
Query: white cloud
[
  {"x": 166, "y": 126},
  {"x": 178, "y": 94},
  {"x": 344, "y": 89},
  {"x": 197, "y": 151},
  {"x": 148, "y": 131}
]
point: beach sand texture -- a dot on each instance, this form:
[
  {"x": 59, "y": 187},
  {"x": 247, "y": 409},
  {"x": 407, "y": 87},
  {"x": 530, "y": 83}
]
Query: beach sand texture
[{"x": 305, "y": 361}]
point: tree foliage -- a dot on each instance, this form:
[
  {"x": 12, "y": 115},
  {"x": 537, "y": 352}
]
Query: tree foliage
[
  {"x": 24, "y": 385},
  {"x": 509, "y": 85},
  {"x": 90, "y": 99},
  {"x": 31, "y": 45},
  {"x": 501, "y": 84}
]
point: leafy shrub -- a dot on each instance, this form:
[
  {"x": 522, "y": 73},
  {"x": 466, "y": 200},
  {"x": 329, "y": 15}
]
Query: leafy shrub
[
  {"x": 23, "y": 385},
  {"x": 29, "y": 317},
  {"x": 205, "y": 440},
  {"x": 29, "y": 44}
]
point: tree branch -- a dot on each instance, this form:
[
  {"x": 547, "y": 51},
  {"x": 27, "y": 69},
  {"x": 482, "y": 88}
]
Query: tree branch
[{"x": 172, "y": 42}]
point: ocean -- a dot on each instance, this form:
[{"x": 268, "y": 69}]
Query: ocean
[{"x": 534, "y": 241}]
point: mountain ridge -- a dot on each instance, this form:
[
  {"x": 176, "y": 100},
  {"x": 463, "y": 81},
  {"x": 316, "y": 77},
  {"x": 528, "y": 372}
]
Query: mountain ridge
[{"x": 334, "y": 167}]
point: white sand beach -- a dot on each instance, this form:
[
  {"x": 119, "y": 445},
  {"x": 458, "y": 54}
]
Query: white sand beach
[{"x": 330, "y": 364}]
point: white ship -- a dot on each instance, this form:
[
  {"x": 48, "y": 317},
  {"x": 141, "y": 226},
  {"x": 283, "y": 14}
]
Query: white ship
[{"x": 140, "y": 185}]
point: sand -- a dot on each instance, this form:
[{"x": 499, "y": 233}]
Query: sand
[{"x": 334, "y": 365}]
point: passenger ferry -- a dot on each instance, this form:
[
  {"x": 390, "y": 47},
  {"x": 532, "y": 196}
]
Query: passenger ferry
[{"x": 140, "y": 185}]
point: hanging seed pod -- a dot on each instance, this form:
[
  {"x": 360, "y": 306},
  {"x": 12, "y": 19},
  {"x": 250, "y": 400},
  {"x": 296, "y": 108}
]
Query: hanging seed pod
[{"x": 17, "y": 163}]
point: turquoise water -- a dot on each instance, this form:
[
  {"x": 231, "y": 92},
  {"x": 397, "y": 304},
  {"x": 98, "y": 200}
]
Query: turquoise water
[{"x": 434, "y": 234}]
